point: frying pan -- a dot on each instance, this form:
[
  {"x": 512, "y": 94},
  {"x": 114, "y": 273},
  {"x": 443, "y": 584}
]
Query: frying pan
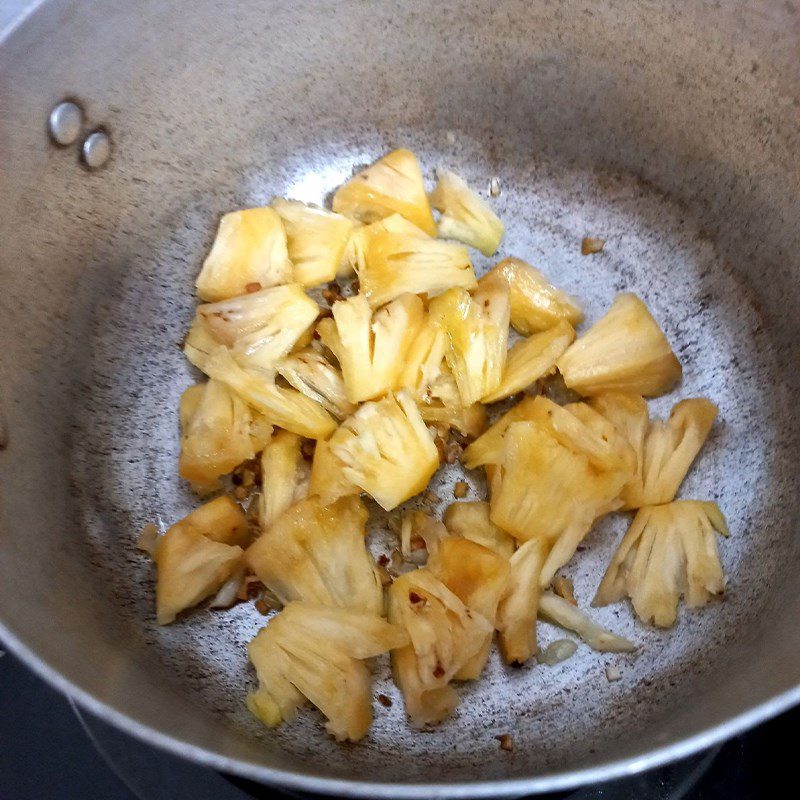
[{"x": 670, "y": 129}]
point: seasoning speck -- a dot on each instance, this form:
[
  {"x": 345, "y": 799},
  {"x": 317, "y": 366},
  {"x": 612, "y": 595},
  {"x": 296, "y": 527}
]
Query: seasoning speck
[
  {"x": 613, "y": 674},
  {"x": 385, "y": 701},
  {"x": 460, "y": 489},
  {"x": 592, "y": 244},
  {"x": 506, "y": 741},
  {"x": 253, "y": 287},
  {"x": 262, "y": 607},
  {"x": 494, "y": 186}
]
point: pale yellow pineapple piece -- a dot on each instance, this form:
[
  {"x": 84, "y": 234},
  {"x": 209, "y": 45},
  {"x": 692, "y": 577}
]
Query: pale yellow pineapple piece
[
  {"x": 354, "y": 259},
  {"x": 423, "y": 361},
  {"x": 250, "y": 250},
  {"x": 536, "y": 305},
  {"x": 284, "y": 477},
  {"x": 312, "y": 374},
  {"x": 670, "y": 448},
  {"x": 480, "y": 579},
  {"x": 216, "y": 428},
  {"x": 317, "y": 653},
  {"x": 199, "y": 345},
  {"x": 470, "y": 519},
  {"x": 566, "y": 615},
  {"x": 191, "y": 568},
  {"x": 316, "y": 240},
  {"x": 445, "y": 636},
  {"x": 386, "y": 450},
  {"x": 327, "y": 476},
  {"x": 533, "y": 358},
  {"x": 516, "y": 616},
  {"x": 465, "y": 216},
  {"x": 371, "y": 346},
  {"x": 221, "y": 520},
  {"x": 285, "y": 407},
  {"x": 668, "y": 552},
  {"x": 477, "y": 333},
  {"x": 488, "y": 448},
  {"x": 318, "y": 554},
  {"x": 625, "y": 351},
  {"x": 392, "y": 185},
  {"x": 420, "y": 532},
  {"x": 261, "y": 327}
]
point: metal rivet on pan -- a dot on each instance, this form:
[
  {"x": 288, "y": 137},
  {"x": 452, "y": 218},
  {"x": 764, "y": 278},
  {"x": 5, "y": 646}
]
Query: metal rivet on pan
[
  {"x": 96, "y": 149},
  {"x": 65, "y": 123}
]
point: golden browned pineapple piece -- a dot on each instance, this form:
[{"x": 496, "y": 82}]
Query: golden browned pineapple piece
[
  {"x": 221, "y": 520},
  {"x": 282, "y": 406},
  {"x": 250, "y": 250},
  {"x": 668, "y": 552},
  {"x": 318, "y": 554},
  {"x": 488, "y": 448},
  {"x": 563, "y": 613},
  {"x": 371, "y": 346},
  {"x": 536, "y": 305},
  {"x": 625, "y": 351},
  {"x": 445, "y": 636},
  {"x": 392, "y": 185},
  {"x": 533, "y": 358},
  {"x": 216, "y": 427},
  {"x": 470, "y": 519},
  {"x": 420, "y": 532},
  {"x": 386, "y": 450},
  {"x": 480, "y": 579},
  {"x": 327, "y": 476},
  {"x": 316, "y": 240},
  {"x": 261, "y": 327},
  {"x": 312, "y": 374},
  {"x": 516, "y": 616},
  {"x": 394, "y": 257},
  {"x": 317, "y": 653},
  {"x": 465, "y": 216},
  {"x": 191, "y": 567},
  {"x": 477, "y": 333},
  {"x": 284, "y": 477}
]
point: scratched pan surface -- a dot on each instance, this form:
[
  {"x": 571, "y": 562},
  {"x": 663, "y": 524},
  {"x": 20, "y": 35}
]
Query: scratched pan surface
[{"x": 669, "y": 129}]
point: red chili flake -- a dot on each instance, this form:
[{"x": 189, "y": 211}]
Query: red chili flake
[
  {"x": 413, "y": 597},
  {"x": 438, "y": 671},
  {"x": 383, "y": 560},
  {"x": 385, "y": 701},
  {"x": 253, "y": 287}
]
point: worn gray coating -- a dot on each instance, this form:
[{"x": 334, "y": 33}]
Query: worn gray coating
[{"x": 670, "y": 129}]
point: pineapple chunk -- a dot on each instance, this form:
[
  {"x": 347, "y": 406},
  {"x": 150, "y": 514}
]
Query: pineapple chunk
[
  {"x": 548, "y": 491},
  {"x": 465, "y": 216},
  {"x": 441, "y": 405},
  {"x": 477, "y": 333},
  {"x": 563, "y": 613},
  {"x": 516, "y": 616},
  {"x": 392, "y": 185},
  {"x": 536, "y": 305},
  {"x": 371, "y": 346},
  {"x": 199, "y": 345},
  {"x": 531, "y": 359},
  {"x": 191, "y": 568},
  {"x": 386, "y": 450},
  {"x": 284, "y": 407},
  {"x": 327, "y": 478},
  {"x": 262, "y": 327},
  {"x": 395, "y": 258},
  {"x": 221, "y": 520},
  {"x": 670, "y": 448},
  {"x": 423, "y": 361},
  {"x": 318, "y": 554},
  {"x": 216, "y": 428},
  {"x": 470, "y": 519},
  {"x": 488, "y": 448},
  {"x": 625, "y": 351},
  {"x": 317, "y": 653},
  {"x": 314, "y": 376},
  {"x": 480, "y": 579},
  {"x": 250, "y": 248},
  {"x": 284, "y": 478},
  {"x": 445, "y": 636},
  {"x": 668, "y": 552},
  {"x": 316, "y": 240},
  {"x": 416, "y": 526}
]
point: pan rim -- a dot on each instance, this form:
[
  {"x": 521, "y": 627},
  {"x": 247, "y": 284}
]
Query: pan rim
[{"x": 343, "y": 787}]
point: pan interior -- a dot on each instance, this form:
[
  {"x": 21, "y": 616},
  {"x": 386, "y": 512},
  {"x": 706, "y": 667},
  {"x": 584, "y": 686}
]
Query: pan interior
[{"x": 584, "y": 142}]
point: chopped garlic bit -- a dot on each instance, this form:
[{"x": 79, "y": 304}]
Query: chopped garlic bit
[
  {"x": 613, "y": 674},
  {"x": 591, "y": 244},
  {"x": 557, "y": 651},
  {"x": 494, "y": 187}
]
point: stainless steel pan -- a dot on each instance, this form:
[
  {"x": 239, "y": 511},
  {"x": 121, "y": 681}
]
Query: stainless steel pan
[{"x": 670, "y": 129}]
